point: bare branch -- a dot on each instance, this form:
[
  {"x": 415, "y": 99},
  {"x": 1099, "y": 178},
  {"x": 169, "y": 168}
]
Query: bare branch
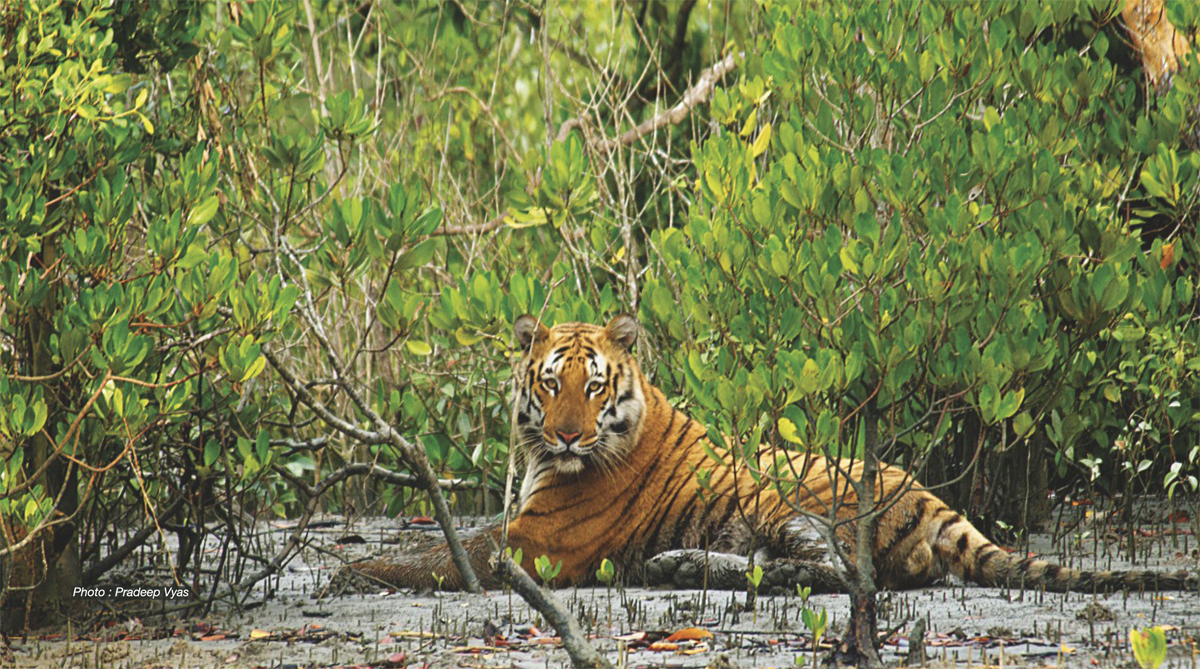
[
  {"x": 695, "y": 95},
  {"x": 474, "y": 228}
]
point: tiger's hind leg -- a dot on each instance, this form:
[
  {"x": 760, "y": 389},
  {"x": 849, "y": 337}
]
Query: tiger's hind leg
[{"x": 684, "y": 569}]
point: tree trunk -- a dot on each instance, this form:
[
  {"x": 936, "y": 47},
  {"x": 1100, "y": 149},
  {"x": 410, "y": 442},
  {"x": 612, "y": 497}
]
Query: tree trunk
[
  {"x": 858, "y": 646},
  {"x": 49, "y": 564}
]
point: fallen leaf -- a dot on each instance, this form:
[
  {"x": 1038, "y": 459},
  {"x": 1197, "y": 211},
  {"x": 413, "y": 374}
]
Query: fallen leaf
[
  {"x": 259, "y": 634},
  {"x": 690, "y": 634},
  {"x": 231, "y": 659},
  {"x": 695, "y": 650},
  {"x": 664, "y": 645},
  {"x": 633, "y": 636},
  {"x": 213, "y": 637}
]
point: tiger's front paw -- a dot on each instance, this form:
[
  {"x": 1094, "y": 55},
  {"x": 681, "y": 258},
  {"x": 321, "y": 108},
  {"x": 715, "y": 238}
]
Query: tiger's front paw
[{"x": 685, "y": 570}]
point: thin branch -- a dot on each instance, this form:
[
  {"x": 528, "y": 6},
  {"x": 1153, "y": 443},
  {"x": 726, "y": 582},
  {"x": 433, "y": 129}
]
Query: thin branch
[{"x": 473, "y": 228}]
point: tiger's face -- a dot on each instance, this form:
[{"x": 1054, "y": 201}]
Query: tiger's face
[{"x": 579, "y": 395}]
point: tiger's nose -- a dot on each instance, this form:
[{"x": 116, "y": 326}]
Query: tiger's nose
[{"x": 568, "y": 438}]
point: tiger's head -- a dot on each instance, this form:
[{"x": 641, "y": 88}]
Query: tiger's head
[{"x": 579, "y": 393}]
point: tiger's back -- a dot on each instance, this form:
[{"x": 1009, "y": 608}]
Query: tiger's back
[{"x": 610, "y": 472}]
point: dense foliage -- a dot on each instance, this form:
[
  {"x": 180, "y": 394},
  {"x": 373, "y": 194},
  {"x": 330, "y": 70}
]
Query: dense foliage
[{"x": 974, "y": 223}]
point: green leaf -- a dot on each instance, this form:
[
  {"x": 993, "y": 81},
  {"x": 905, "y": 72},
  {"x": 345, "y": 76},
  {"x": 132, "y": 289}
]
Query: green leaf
[
  {"x": 1023, "y": 424},
  {"x": 1128, "y": 332},
  {"x": 212, "y": 451},
  {"x": 194, "y": 256},
  {"x": 255, "y": 368},
  {"x": 1009, "y": 403},
  {"x": 1149, "y": 646},
  {"x": 417, "y": 256},
  {"x": 38, "y": 419},
  {"x": 204, "y": 212},
  {"x": 262, "y": 446},
  {"x": 809, "y": 377},
  {"x": 748, "y": 126},
  {"x": 867, "y": 228},
  {"x": 788, "y": 430},
  {"x": 761, "y": 142},
  {"x": 427, "y": 222},
  {"x": 417, "y": 347}
]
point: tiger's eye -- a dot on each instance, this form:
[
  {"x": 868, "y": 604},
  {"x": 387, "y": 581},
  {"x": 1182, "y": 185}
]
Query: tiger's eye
[
  {"x": 550, "y": 385},
  {"x": 594, "y": 387}
]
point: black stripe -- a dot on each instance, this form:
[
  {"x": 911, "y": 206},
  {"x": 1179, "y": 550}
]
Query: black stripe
[
  {"x": 668, "y": 506},
  {"x": 683, "y": 524},
  {"x": 683, "y": 433},
  {"x": 561, "y": 483},
  {"x": 1052, "y": 572},
  {"x": 962, "y": 544},
  {"x": 948, "y": 523},
  {"x": 576, "y": 501},
  {"x": 670, "y": 424},
  {"x": 910, "y": 526},
  {"x": 730, "y": 508},
  {"x": 982, "y": 560}
]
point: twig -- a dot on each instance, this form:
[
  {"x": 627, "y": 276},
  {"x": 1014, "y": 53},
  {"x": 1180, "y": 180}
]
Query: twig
[
  {"x": 473, "y": 228},
  {"x": 370, "y": 471}
]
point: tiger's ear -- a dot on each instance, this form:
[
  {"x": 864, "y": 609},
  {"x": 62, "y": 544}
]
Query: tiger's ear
[
  {"x": 622, "y": 330},
  {"x": 527, "y": 329}
]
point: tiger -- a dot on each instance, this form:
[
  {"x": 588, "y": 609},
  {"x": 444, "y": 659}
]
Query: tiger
[{"x": 611, "y": 472}]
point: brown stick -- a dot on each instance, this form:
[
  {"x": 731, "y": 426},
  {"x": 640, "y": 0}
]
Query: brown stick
[
  {"x": 474, "y": 228},
  {"x": 695, "y": 95}
]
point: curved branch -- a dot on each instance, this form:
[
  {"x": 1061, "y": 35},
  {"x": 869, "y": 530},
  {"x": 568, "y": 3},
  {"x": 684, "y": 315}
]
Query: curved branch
[{"x": 695, "y": 95}]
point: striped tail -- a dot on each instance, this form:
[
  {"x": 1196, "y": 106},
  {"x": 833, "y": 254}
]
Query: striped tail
[{"x": 969, "y": 555}]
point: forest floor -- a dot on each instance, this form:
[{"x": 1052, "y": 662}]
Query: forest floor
[{"x": 965, "y": 626}]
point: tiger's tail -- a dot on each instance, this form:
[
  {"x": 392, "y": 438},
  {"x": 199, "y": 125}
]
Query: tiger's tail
[{"x": 972, "y": 557}]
